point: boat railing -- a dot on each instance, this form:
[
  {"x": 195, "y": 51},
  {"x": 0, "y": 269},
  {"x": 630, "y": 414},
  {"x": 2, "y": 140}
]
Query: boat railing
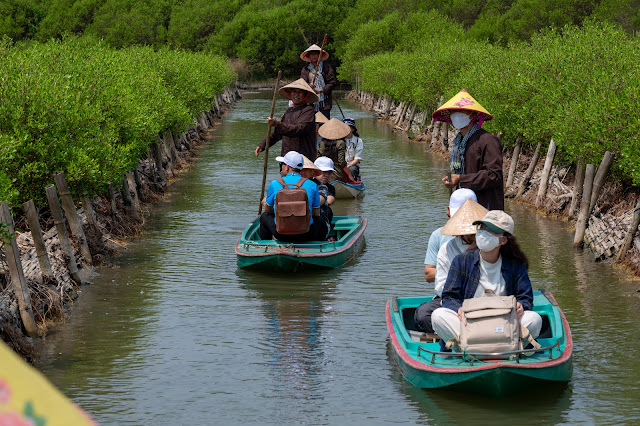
[
  {"x": 292, "y": 247},
  {"x": 477, "y": 356}
]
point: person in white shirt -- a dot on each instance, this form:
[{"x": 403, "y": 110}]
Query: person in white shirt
[
  {"x": 355, "y": 147},
  {"x": 462, "y": 228}
]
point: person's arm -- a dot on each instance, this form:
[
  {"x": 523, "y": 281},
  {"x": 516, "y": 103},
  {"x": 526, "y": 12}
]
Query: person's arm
[
  {"x": 489, "y": 174},
  {"x": 315, "y": 206},
  {"x": 299, "y": 125},
  {"x": 431, "y": 256},
  {"x": 443, "y": 264},
  {"x": 429, "y": 273},
  {"x": 521, "y": 285},
  {"x": 304, "y": 74},
  {"x": 330, "y": 199},
  {"x": 315, "y": 212},
  {"x": 275, "y": 137},
  {"x": 358, "y": 150}
]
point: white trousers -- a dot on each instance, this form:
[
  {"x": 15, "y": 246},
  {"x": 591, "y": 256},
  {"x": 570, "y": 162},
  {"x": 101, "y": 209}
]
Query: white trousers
[{"x": 447, "y": 324}]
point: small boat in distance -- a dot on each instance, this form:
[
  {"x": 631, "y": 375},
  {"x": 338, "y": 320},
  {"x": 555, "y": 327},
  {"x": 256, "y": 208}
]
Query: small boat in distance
[
  {"x": 346, "y": 190},
  {"x": 274, "y": 255},
  {"x": 419, "y": 358}
]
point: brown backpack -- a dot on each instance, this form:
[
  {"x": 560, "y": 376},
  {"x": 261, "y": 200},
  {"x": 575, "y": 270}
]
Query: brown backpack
[{"x": 292, "y": 209}]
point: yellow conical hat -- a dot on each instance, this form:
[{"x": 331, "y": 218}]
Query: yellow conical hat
[
  {"x": 314, "y": 48},
  {"x": 462, "y": 101},
  {"x": 299, "y": 84},
  {"x": 461, "y": 223},
  {"x": 308, "y": 164}
]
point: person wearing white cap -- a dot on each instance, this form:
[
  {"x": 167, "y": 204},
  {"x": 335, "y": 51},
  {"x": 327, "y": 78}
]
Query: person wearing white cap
[
  {"x": 436, "y": 240},
  {"x": 293, "y": 162},
  {"x": 327, "y": 191},
  {"x": 498, "y": 265},
  {"x": 325, "y": 77},
  {"x": 461, "y": 227}
]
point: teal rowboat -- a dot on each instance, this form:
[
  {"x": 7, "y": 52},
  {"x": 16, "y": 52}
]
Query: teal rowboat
[
  {"x": 419, "y": 358},
  {"x": 274, "y": 255},
  {"x": 346, "y": 190}
]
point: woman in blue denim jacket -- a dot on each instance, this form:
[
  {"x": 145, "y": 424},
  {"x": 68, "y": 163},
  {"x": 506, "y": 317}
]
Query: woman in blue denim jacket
[{"x": 498, "y": 265}]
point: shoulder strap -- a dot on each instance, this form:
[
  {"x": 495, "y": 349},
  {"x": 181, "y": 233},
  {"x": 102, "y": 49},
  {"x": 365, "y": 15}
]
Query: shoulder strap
[
  {"x": 525, "y": 335},
  {"x": 300, "y": 182},
  {"x": 282, "y": 182}
]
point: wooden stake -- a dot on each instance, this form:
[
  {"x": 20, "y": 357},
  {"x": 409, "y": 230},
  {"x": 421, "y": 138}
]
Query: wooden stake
[
  {"x": 157, "y": 155},
  {"x": 626, "y": 244},
  {"x": 601, "y": 174},
  {"x": 544, "y": 179},
  {"x": 72, "y": 216},
  {"x": 514, "y": 162},
  {"x": 583, "y": 217},
  {"x": 63, "y": 236},
  {"x": 527, "y": 175},
  {"x": 577, "y": 189},
  {"x": 38, "y": 240},
  {"x": 130, "y": 195},
  {"x": 19, "y": 282}
]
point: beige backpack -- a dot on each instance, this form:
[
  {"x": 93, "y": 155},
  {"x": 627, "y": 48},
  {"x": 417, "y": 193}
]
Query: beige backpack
[{"x": 489, "y": 325}]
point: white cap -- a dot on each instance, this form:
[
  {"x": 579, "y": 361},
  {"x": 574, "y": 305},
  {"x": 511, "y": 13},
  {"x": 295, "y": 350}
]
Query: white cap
[
  {"x": 458, "y": 197},
  {"x": 292, "y": 159},
  {"x": 324, "y": 163}
]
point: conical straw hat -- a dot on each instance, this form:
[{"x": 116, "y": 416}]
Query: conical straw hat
[
  {"x": 308, "y": 164},
  {"x": 334, "y": 129},
  {"x": 462, "y": 101},
  {"x": 461, "y": 223},
  {"x": 314, "y": 47},
  {"x": 299, "y": 84},
  {"x": 321, "y": 118}
]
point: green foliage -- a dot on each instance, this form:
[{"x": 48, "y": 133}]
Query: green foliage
[
  {"x": 92, "y": 111},
  {"x": 19, "y": 19}
]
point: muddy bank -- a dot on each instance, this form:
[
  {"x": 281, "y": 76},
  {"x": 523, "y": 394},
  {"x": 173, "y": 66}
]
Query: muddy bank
[
  {"x": 57, "y": 259},
  {"x": 610, "y": 228}
]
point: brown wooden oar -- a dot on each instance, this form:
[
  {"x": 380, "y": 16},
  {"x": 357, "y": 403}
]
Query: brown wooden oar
[
  {"x": 313, "y": 82},
  {"x": 266, "y": 147}
]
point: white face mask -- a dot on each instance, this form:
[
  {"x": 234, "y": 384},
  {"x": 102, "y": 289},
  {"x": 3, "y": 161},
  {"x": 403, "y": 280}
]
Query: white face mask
[
  {"x": 486, "y": 241},
  {"x": 460, "y": 120}
]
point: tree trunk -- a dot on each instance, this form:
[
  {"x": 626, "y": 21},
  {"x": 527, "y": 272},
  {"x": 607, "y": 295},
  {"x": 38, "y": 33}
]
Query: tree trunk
[
  {"x": 544, "y": 179},
  {"x": 583, "y": 217}
]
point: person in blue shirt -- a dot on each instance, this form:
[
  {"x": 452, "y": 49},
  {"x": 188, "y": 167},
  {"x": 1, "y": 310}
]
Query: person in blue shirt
[{"x": 291, "y": 167}]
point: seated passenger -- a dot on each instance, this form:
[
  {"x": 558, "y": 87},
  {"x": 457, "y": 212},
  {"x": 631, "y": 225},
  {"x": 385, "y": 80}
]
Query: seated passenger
[
  {"x": 334, "y": 146},
  {"x": 327, "y": 191},
  {"x": 499, "y": 265},
  {"x": 462, "y": 228},
  {"x": 354, "y": 149},
  {"x": 293, "y": 163},
  {"x": 309, "y": 170}
]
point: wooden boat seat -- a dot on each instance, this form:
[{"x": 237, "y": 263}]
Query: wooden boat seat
[
  {"x": 420, "y": 336},
  {"x": 343, "y": 225}
]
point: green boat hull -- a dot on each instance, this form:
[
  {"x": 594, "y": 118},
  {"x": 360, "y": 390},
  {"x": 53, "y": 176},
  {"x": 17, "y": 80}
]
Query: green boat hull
[
  {"x": 277, "y": 256},
  {"x": 490, "y": 377}
]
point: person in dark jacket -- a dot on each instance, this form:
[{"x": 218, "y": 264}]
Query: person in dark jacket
[
  {"x": 325, "y": 78},
  {"x": 297, "y": 129},
  {"x": 476, "y": 155}
]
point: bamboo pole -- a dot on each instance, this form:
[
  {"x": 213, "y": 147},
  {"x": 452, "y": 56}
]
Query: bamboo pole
[
  {"x": 529, "y": 172},
  {"x": 577, "y": 189},
  {"x": 38, "y": 240},
  {"x": 514, "y": 162},
  {"x": 626, "y": 244},
  {"x": 63, "y": 236},
  {"x": 601, "y": 174},
  {"x": 19, "y": 282},
  {"x": 544, "y": 179},
  {"x": 72, "y": 216},
  {"x": 268, "y": 140},
  {"x": 583, "y": 217}
]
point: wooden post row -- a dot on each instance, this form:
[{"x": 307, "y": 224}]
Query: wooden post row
[
  {"x": 72, "y": 215},
  {"x": 38, "y": 240},
  {"x": 65, "y": 243}
]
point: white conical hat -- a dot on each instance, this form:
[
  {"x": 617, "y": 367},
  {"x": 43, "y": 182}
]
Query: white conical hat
[
  {"x": 299, "y": 84},
  {"x": 314, "y": 48},
  {"x": 334, "y": 129}
]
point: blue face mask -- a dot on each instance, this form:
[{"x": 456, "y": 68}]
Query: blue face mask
[{"x": 460, "y": 120}]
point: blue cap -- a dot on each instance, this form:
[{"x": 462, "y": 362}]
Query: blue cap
[{"x": 350, "y": 122}]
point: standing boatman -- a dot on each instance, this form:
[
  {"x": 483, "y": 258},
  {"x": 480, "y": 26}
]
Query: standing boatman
[
  {"x": 476, "y": 155},
  {"x": 325, "y": 77}
]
